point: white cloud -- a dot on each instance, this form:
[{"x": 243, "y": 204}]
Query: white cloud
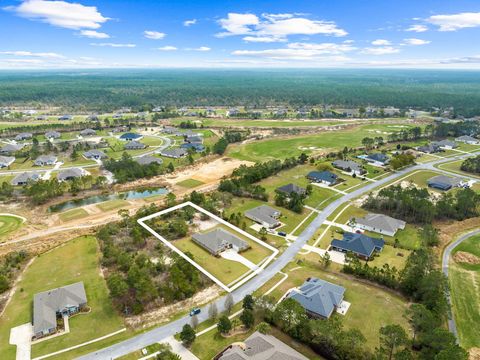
[
  {"x": 167, "y": 48},
  {"x": 202, "y": 48},
  {"x": 60, "y": 13},
  {"x": 114, "y": 45},
  {"x": 380, "y": 50},
  {"x": 154, "y": 35},
  {"x": 31, "y": 54},
  {"x": 189, "y": 22},
  {"x": 381, "y": 42},
  {"x": 417, "y": 28},
  {"x": 454, "y": 22},
  {"x": 277, "y": 27},
  {"x": 264, "y": 39},
  {"x": 415, "y": 42},
  {"x": 94, "y": 34}
]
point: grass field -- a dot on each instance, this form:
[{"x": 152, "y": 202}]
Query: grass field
[
  {"x": 464, "y": 280},
  {"x": 73, "y": 214},
  {"x": 454, "y": 166},
  {"x": 9, "y": 224},
  {"x": 78, "y": 260},
  {"x": 112, "y": 204},
  {"x": 190, "y": 183}
]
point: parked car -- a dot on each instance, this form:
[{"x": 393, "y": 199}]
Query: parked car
[
  {"x": 281, "y": 233},
  {"x": 194, "y": 311}
]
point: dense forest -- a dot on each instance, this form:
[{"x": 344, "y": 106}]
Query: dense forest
[{"x": 106, "y": 90}]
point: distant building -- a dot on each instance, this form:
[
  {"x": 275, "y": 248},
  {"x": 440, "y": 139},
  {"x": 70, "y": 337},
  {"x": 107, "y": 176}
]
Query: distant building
[
  {"x": 95, "y": 154},
  {"x": 265, "y": 216},
  {"x": 65, "y": 117},
  {"x": 430, "y": 149},
  {"x": 260, "y": 347},
  {"x": 318, "y": 297},
  {"x": 134, "y": 145},
  {"x": 174, "y": 153},
  {"x": 52, "y": 135},
  {"x": 147, "y": 160},
  {"x": 442, "y": 182},
  {"x": 88, "y": 132},
  {"x": 6, "y": 161},
  {"x": 361, "y": 245},
  {"x": 25, "y": 178},
  {"x": 23, "y": 136},
  {"x": 219, "y": 240},
  {"x": 379, "y": 223},
  {"x": 377, "y": 159},
  {"x": 70, "y": 174},
  {"x": 323, "y": 177},
  {"x": 391, "y": 111},
  {"x": 11, "y": 148},
  {"x": 445, "y": 144},
  {"x": 45, "y": 160},
  {"x": 291, "y": 188},
  {"x": 466, "y": 139},
  {"x": 195, "y": 146},
  {"x": 193, "y": 139},
  {"x": 349, "y": 166},
  {"x": 129, "y": 136},
  {"x": 51, "y": 304}
]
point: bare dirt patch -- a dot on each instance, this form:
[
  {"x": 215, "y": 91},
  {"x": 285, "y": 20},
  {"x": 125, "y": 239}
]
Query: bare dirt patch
[
  {"x": 466, "y": 258},
  {"x": 474, "y": 354}
]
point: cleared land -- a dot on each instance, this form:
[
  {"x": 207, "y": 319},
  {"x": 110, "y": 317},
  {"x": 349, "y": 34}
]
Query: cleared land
[
  {"x": 78, "y": 260},
  {"x": 464, "y": 280},
  {"x": 9, "y": 224},
  {"x": 112, "y": 204},
  {"x": 190, "y": 183},
  {"x": 73, "y": 214}
]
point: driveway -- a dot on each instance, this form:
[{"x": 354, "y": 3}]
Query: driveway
[
  {"x": 234, "y": 256},
  {"x": 21, "y": 336}
]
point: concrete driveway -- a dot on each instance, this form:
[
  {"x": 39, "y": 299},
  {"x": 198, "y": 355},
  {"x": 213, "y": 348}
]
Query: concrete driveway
[
  {"x": 234, "y": 256},
  {"x": 21, "y": 336}
]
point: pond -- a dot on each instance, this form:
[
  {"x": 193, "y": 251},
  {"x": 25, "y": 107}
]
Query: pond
[{"x": 127, "y": 195}]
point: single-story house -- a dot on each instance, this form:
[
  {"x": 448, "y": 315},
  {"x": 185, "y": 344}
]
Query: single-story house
[
  {"x": 43, "y": 160},
  {"x": 198, "y": 147},
  {"x": 324, "y": 177},
  {"x": 52, "y": 135},
  {"x": 174, "y": 153},
  {"x": 430, "y": 148},
  {"x": 50, "y": 304},
  {"x": 318, "y": 297},
  {"x": 95, "y": 154},
  {"x": 169, "y": 129},
  {"x": 129, "y": 136},
  {"x": 232, "y": 112},
  {"x": 379, "y": 223},
  {"x": 24, "y": 178},
  {"x": 65, "y": 117},
  {"x": 445, "y": 144},
  {"x": 193, "y": 139},
  {"x": 264, "y": 215},
  {"x": 260, "y": 347},
  {"x": 134, "y": 145},
  {"x": 291, "y": 188},
  {"x": 219, "y": 240},
  {"x": 88, "y": 132},
  {"x": 468, "y": 140},
  {"x": 93, "y": 117},
  {"x": 6, "y": 161},
  {"x": 42, "y": 117},
  {"x": 349, "y": 166},
  {"x": 70, "y": 174},
  {"x": 443, "y": 182},
  {"x": 11, "y": 148},
  {"x": 23, "y": 136},
  {"x": 147, "y": 160},
  {"x": 377, "y": 159},
  {"x": 361, "y": 245}
]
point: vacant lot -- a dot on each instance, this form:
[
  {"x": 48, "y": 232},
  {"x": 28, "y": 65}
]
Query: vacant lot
[
  {"x": 464, "y": 280},
  {"x": 454, "y": 166},
  {"x": 9, "y": 224},
  {"x": 73, "y": 214},
  {"x": 76, "y": 261},
  {"x": 190, "y": 183},
  {"x": 112, "y": 204}
]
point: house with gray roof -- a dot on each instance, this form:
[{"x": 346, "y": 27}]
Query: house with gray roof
[
  {"x": 445, "y": 144},
  {"x": 11, "y": 148},
  {"x": 443, "y": 182},
  {"x": 318, "y": 297},
  {"x": 379, "y": 223},
  {"x": 361, "y": 245},
  {"x": 265, "y": 216},
  {"x": 70, "y": 174},
  {"x": 260, "y": 347},
  {"x": 349, "y": 166},
  {"x": 219, "y": 240},
  {"x": 376, "y": 159},
  {"x": 134, "y": 145},
  {"x": 147, "y": 160},
  {"x": 193, "y": 139},
  {"x": 88, "y": 132},
  {"x": 323, "y": 177},
  {"x": 6, "y": 161},
  {"x": 430, "y": 148},
  {"x": 51, "y": 304},
  {"x": 24, "y": 178},
  {"x": 290, "y": 189},
  {"x": 23, "y": 136},
  {"x": 52, "y": 135},
  {"x": 44, "y": 160},
  {"x": 95, "y": 154},
  {"x": 466, "y": 139},
  {"x": 65, "y": 117},
  {"x": 174, "y": 153}
]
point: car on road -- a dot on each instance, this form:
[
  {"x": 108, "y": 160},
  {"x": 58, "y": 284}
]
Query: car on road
[{"x": 195, "y": 311}]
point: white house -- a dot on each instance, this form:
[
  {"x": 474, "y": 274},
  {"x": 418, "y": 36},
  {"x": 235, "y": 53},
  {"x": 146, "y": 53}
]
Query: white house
[{"x": 468, "y": 140}]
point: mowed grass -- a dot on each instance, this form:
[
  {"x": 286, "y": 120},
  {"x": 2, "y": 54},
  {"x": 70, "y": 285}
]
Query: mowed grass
[
  {"x": 454, "y": 166},
  {"x": 9, "y": 224},
  {"x": 112, "y": 204},
  {"x": 73, "y": 214},
  {"x": 464, "y": 280},
  {"x": 190, "y": 183},
  {"x": 78, "y": 260}
]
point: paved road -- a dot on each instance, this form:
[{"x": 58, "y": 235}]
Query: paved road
[
  {"x": 164, "y": 331},
  {"x": 445, "y": 259}
]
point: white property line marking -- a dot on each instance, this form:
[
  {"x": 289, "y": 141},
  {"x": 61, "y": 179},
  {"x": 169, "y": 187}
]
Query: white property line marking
[
  {"x": 80, "y": 345},
  {"x": 328, "y": 227},
  {"x": 221, "y": 221}
]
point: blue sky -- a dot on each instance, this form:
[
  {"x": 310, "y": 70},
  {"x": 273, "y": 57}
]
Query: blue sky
[{"x": 231, "y": 33}]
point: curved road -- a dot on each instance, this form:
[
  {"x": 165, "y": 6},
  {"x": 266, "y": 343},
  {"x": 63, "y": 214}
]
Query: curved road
[
  {"x": 164, "y": 331},
  {"x": 445, "y": 259}
]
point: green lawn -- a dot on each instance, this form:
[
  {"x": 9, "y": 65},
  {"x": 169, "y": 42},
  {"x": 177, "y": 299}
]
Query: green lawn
[
  {"x": 78, "y": 260},
  {"x": 112, "y": 204},
  {"x": 190, "y": 183},
  {"x": 73, "y": 214},
  {"x": 9, "y": 224},
  {"x": 454, "y": 166},
  {"x": 464, "y": 280}
]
